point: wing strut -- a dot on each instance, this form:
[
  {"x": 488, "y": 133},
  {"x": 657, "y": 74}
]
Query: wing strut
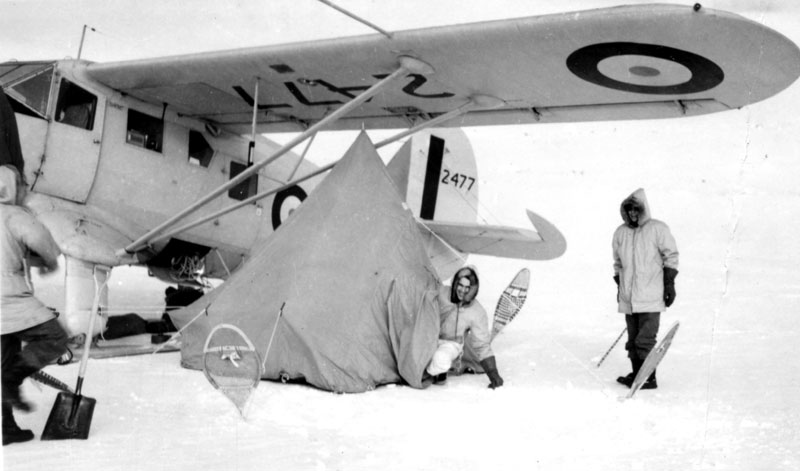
[
  {"x": 240, "y": 204},
  {"x": 251, "y": 148},
  {"x": 475, "y": 102},
  {"x": 478, "y": 101},
  {"x": 302, "y": 156},
  {"x": 407, "y": 64}
]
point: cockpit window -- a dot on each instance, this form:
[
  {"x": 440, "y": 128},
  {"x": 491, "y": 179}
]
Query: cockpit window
[
  {"x": 29, "y": 85},
  {"x": 76, "y": 106}
]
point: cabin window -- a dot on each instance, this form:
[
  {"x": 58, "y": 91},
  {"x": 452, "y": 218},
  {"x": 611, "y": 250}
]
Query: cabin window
[
  {"x": 76, "y": 107},
  {"x": 200, "y": 151},
  {"x": 144, "y": 131},
  {"x": 32, "y": 87},
  {"x": 244, "y": 189}
]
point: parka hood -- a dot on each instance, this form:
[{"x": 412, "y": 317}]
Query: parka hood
[
  {"x": 8, "y": 185},
  {"x": 472, "y": 274},
  {"x": 637, "y": 198}
]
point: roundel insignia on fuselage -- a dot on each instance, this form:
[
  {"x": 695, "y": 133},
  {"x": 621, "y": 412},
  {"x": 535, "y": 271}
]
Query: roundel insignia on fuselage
[
  {"x": 645, "y": 68},
  {"x": 285, "y": 202}
]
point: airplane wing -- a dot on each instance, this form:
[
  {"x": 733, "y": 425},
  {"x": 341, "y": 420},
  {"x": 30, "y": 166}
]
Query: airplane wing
[
  {"x": 546, "y": 243},
  {"x": 631, "y": 62}
]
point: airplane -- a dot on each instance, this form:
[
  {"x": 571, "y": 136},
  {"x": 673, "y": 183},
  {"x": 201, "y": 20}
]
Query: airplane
[{"x": 118, "y": 154}]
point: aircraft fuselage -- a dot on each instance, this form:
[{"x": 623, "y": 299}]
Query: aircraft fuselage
[{"x": 104, "y": 168}]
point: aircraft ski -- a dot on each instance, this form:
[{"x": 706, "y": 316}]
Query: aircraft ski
[{"x": 123, "y": 347}]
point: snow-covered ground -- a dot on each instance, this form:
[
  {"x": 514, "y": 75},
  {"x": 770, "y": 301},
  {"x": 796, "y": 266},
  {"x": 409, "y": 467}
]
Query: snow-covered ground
[{"x": 729, "y": 395}]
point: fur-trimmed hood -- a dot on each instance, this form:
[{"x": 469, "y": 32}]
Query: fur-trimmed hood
[
  {"x": 638, "y": 199},
  {"x": 471, "y": 273}
]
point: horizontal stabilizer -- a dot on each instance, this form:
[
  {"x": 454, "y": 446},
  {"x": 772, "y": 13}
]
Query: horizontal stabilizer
[{"x": 546, "y": 243}]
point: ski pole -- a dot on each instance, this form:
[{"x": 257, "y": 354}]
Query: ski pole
[{"x": 611, "y": 347}]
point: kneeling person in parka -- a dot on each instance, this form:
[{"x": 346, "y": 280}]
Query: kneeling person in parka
[{"x": 460, "y": 312}]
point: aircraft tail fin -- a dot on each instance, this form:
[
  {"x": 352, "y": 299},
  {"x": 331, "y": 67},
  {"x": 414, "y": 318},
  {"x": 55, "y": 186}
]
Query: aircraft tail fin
[
  {"x": 435, "y": 171},
  {"x": 436, "y": 174}
]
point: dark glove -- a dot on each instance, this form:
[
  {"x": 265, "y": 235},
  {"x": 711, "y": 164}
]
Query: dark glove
[
  {"x": 490, "y": 367},
  {"x": 669, "y": 285},
  {"x": 616, "y": 280}
]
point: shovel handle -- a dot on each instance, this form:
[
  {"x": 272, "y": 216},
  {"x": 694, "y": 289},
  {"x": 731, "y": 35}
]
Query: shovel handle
[{"x": 71, "y": 421}]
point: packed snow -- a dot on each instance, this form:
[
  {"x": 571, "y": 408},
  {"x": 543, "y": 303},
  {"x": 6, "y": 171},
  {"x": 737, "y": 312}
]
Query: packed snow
[
  {"x": 727, "y": 396},
  {"x": 728, "y": 387}
]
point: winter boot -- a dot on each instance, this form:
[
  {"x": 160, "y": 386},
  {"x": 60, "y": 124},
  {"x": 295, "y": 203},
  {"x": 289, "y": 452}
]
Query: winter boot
[
  {"x": 11, "y": 431},
  {"x": 13, "y": 399},
  {"x": 12, "y": 380},
  {"x": 440, "y": 379},
  {"x": 627, "y": 380},
  {"x": 651, "y": 382}
]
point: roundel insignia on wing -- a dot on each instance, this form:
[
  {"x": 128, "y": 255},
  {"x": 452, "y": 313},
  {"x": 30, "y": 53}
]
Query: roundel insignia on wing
[
  {"x": 285, "y": 202},
  {"x": 645, "y": 68}
]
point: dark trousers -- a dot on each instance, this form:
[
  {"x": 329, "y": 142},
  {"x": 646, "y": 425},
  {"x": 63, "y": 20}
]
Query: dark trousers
[
  {"x": 44, "y": 343},
  {"x": 642, "y": 333}
]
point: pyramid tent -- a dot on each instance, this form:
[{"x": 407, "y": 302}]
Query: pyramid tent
[{"x": 357, "y": 283}]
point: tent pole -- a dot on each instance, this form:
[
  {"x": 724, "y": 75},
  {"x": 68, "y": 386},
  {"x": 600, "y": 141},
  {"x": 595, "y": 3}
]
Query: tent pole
[
  {"x": 269, "y": 346},
  {"x": 176, "y": 334},
  {"x": 222, "y": 260}
]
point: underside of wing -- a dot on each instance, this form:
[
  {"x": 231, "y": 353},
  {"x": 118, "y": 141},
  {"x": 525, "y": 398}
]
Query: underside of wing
[
  {"x": 633, "y": 62},
  {"x": 546, "y": 243}
]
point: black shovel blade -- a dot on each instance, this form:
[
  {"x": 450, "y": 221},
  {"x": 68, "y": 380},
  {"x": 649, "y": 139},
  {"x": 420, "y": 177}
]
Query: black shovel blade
[{"x": 70, "y": 418}]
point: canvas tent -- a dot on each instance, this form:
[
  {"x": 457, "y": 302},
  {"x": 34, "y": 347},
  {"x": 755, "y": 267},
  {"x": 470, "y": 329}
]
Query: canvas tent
[{"x": 358, "y": 287}]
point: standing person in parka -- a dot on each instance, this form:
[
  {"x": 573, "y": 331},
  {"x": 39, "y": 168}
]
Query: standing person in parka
[
  {"x": 462, "y": 317},
  {"x": 645, "y": 267}
]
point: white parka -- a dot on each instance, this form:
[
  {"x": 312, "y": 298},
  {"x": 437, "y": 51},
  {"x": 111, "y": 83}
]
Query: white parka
[
  {"x": 456, "y": 318},
  {"x": 22, "y": 238},
  {"x": 640, "y": 254}
]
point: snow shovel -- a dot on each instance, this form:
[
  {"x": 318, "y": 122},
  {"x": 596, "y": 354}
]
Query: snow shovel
[{"x": 71, "y": 416}]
